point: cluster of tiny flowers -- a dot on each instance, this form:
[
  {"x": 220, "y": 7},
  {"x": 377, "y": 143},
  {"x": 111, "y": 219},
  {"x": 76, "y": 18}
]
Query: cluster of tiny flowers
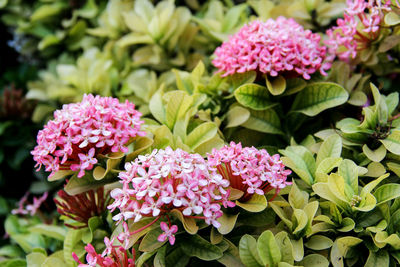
[
  {"x": 80, "y": 131},
  {"x": 249, "y": 169},
  {"x": 156, "y": 184},
  {"x": 30, "y": 209},
  {"x": 359, "y": 26},
  {"x": 112, "y": 256},
  {"x": 274, "y": 47}
]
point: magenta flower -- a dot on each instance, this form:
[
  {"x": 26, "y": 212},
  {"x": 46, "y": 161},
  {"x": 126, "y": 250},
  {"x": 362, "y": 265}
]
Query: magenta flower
[
  {"x": 81, "y": 131},
  {"x": 275, "y": 47},
  {"x": 113, "y": 256},
  {"x": 156, "y": 184},
  {"x": 168, "y": 233},
  {"x": 248, "y": 169},
  {"x": 359, "y": 27}
]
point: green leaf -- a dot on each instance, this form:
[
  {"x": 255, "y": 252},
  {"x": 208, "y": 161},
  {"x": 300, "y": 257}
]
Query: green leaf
[
  {"x": 387, "y": 192},
  {"x": 319, "y": 242},
  {"x": 46, "y": 11},
  {"x": 201, "y": 134},
  {"x": 159, "y": 259},
  {"x": 198, "y": 247},
  {"x": 265, "y": 121},
  {"x": 276, "y": 85},
  {"x": 376, "y": 155},
  {"x": 298, "y": 249},
  {"x": 188, "y": 223},
  {"x": 248, "y": 251},
  {"x": 79, "y": 185},
  {"x": 301, "y": 161},
  {"x": 297, "y": 198},
  {"x": 253, "y": 96},
  {"x": 348, "y": 170},
  {"x": 72, "y": 238},
  {"x": 177, "y": 258},
  {"x": 285, "y": 246},
  {"x": 239, "y": 79},
  {"x": 157, "y": 107},
  {"x": 315, "y": 260},
  {"x": 268, "y": 249},
  {"x": 256, "y": 203},
  {"x": 317, "y": 97},
  {"x": 392, "y": 19},
  {"x": 294, "y": 85},
  {"x": 330, "y": 148},
  {"x": 53, "y": 231},
  {"x": 145, "y": 256},
  {"x": 378, "y": 259},
  {"x": 35, "y": 259},
  {"x": 149, "y": 242},
  {"x": 227, "y": 222},
  {"x": 392, "y": 142},
  {"x": 236, "y": 116}
]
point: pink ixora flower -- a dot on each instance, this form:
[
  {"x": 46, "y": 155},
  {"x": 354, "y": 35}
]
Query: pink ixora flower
[
  {"x": 168, "y": 233},
  {"x": 249, "y": 169},
  {"x": 81, "y": 131},
  {"x": 154, "y": 185},
  {"x": 275, "y": 47},
  {"x": 32, "y": 208},
  {"x": 358, "y": 28},
  {"x": 113, "y": 256}
]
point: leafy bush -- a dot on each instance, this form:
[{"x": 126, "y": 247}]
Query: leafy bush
[{"x": 241, "y": 133}]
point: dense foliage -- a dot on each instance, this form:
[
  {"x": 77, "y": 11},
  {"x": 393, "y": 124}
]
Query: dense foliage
[{"x": 174, "y": 133}]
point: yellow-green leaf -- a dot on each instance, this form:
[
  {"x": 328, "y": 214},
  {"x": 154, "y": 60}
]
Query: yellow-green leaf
[
  {"x": 253, "y": 96},
  {"x": 256, "y": 203},
  {"x": 276, "y": 85}
]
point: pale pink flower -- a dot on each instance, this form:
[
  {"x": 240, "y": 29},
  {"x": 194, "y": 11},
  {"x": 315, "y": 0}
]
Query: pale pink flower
[
  {"x": 168, "y": 233},
  {"x": 30, "y": 208},
  {"x": 82, "y": 131},
  {"x": 275, "y": 47},
  {"x": 248, "y": 169},
  {"x": 156, "y": 184}
]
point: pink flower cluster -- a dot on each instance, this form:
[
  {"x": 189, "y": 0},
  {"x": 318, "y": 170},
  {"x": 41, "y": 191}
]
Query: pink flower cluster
[
  {"x": 80, "y": 131},
  {"x": 30, "y": 209},
  {"x": 156, "y": 184},
  {"x": 274, "y": 47},
  {"x": 113, "y": 256},
  {"x": 358, "y": 28},
  {"x": 249, "y": 169}
]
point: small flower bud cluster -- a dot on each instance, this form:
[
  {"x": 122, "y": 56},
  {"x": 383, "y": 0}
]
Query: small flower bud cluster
[
  {"x": 249, "y": 169},
  {"x": 155, "y": 184},
  {"x": 80, "y": 131},
  {"x": 274, "y": 47},
  {"x": 358, "y": 28}
]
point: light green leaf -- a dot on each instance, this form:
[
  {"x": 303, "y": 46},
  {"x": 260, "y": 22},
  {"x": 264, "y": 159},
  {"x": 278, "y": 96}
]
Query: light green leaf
[
  {"x": 236, "y": 116},
  {"x": 35, "y": 259},
  {"x": 330, "y": 148},
  {"x": 317, "y": 97},
  {"x": 376, "y": 155},
  {"x": 53, "y": 231},
  {"x": 315, "y": 260},
  {"x": 298, "y": 249},
  {"x": 383, "y": 238},
  {"x": 392, "y": 18},
  {"x": 276, "y": 85},
  {"x": 201, "y": 134},
  {"x": 319, "y": 242},
  {"x": 248, "y": 251},
  {"x": 387, "y": 192},
  {"x": 328, "y": 164},
  {"x": 348, "y": 170},
  {"x": 256, "y": 203},
  {"x": 156, "y": 106},
  {"x": 253, "y": 96},
  {"x": 375, "y": 169},
  {"x": 300, "y": 221},
  {"x": 268, "y": 249},
  {"x": 301, "y": 161},
  {"x": 285, "y": 246},
  {"x": 227, "y": 222},
  {"x": 392, "y": 142},
  {"x": 265, "y": 121},
  {"x": 79, "y": 185},
  {"x": 297, "y": 198}
]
